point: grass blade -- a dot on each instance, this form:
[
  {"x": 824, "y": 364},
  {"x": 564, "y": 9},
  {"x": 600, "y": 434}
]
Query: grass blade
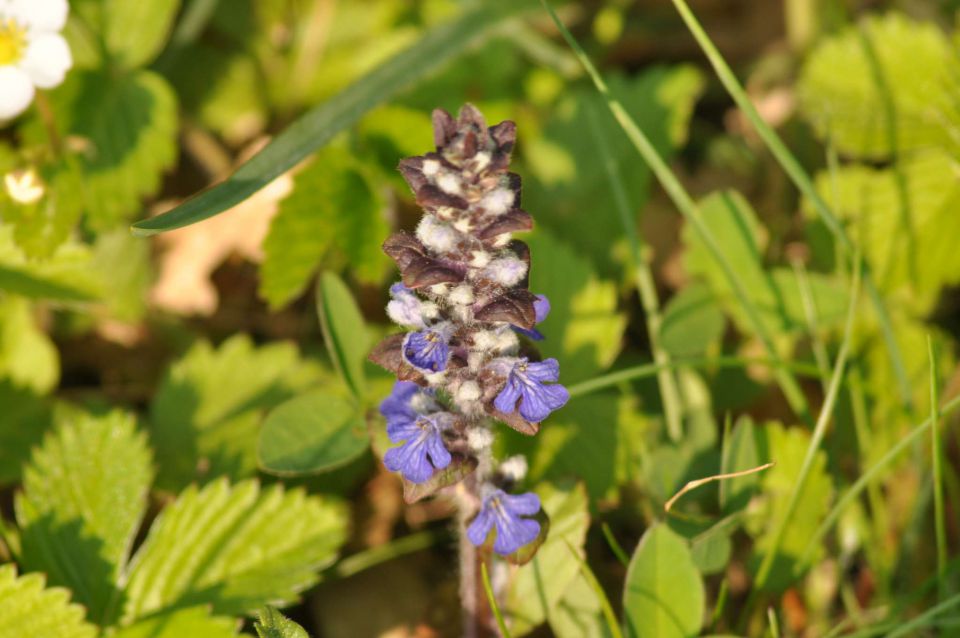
[
  {"x": 319, "y": 125},
  {"x": 646, "y": 287},
  {"x": 504, "y": 632},
  {"x": 940, "y": 525},
  {"x": 802, "y": 181},
  {"x": 688, "y": 208},
  {"x": 615, "y": 547},
  {"x": 612, "y": 625}
]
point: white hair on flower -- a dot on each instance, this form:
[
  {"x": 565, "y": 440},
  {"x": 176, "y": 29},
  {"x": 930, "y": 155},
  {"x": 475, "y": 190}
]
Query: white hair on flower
[
  {"x": 436, "y": 235},
  {"x": 33, "y": 54},
  {"x": 507, "y": 271}
]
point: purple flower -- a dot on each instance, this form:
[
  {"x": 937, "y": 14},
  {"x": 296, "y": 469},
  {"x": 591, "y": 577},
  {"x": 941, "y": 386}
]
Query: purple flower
[
  {"x": 404, "y": 307},
  {"x": 541, "y": 308},
  {"x": 422, "y": 449},
  {"x": 526, "y": 384},
  {"x": 504, "y": 511},
  {"x": 398, "y": 404},
  {"x": 426, "y": 350}
]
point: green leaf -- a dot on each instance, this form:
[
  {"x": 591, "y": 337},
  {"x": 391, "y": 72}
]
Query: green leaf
[
  {"x": 538, "y": 586},
  {"x": 904, "y": 218},
  {"x": 579, "y": 612},
  {"x": 28, "y": 358},
  {"x": 334, "y": 206},
  {"x": 27, "y": 609},
  {"x": 234, "y": 548},
  {"x": 272, "y": 624},
  {"x": 344, "y": 331},
  {"x": 205, "y": 418},
  {"x": 195, "y": 622},
  {"x": 128, "y": 122},
  {"x": 65, "y": 275},
  {"x": 584, "y": 330},
  {"x": 123, "y": 264},
  {"x": 23, "y": 420},
  {"x": 311, "y": 433},
  {"x": 899, "y": 84},
  {"x": 787, "y": 446},
  {"x": 84, "y": 494},
  {"x": 745, "y": 449},
  {"x": 570, "y": 181},
  {"x": 711, "y": 551},
  {"x": 40, "y": 227},
  {"x": 663, "y": 596},
  {"x": 135, "y": 32},
  {"x": 692, "y": 322},
  {"x": 775, "y": 292},
  {"x": 318, "y": 126}
]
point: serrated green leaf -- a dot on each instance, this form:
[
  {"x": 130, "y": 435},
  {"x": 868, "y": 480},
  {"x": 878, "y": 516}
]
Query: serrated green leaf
[
  {"x": 234, "y": 548},
  {"x": 135, "y": 32},
  {"x": 28, "y": 358},
  {"x": 584, "y": 330},
  {"x": 320, "y": 125},
  {"x": 205, "y": 418},
  {"x": 315, "y": 432},
  {"x": 129, "y": 124},
  {"x": 272, "y": 624},
  {"x": 787, "y": 446},
  {"x": 538, "y": 586},
  {"x": 892, "y": 66},
  {"x": 912, "y": 257},
  {"x": 692, "y": 321},
  {"x": 84, "y": 493},
  {"x": 775, "y": 292},
  {"x": 344, "y": 331},
  {"x": 195, "y": 622},
  {"x": 27, "y": 609},
  {"x": 64, "y": 276},
  {"x": 663, "y": 596},
  {"x": 334, "y": 207},
  {"x": 569, "y": 179}
]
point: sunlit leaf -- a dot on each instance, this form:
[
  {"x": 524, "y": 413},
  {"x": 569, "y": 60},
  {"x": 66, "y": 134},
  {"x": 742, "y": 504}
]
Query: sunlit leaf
[
  {"x": 27, "y": 609},
  {"x": 344, "y": 331},
  {"x": 272, "y": 624},
  {"x": 664, "y": 594},
  {"x": 235, "y": 548},
  {"x": 692, "y": 321},
  {"x": 135, "y": 32},
  {"x": 27, "y": 356},
  {"x": 194, "y": 622}
]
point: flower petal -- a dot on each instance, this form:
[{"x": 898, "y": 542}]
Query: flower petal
[
  {"x": 526, "y": 504},
  {"x": 506, "y": 401},
  {"x": 40, "y": 15},
  {"x": 47, "y": 60},
  {"x": 439, "y": 455},
  {"x": 546, "y": 370},
  {"x": 514, "y": 533},
  {"x": 480, "y": 527},
  {"x": 539, "y": 401},
  {"x": 16, "y": 92}
]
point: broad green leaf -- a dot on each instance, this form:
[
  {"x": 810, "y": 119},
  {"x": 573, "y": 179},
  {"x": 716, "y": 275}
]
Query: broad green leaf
[
  {"x": 891, "y": 65},
  {"x": 64, "y": 276},
  {"x": 272, "y": 624},
  {"x": 84, "y": 493},
  {"x": 23, "y": 420},
  {"x": 28, "y": 609},
  {"x": 775, "y": 292},
  {"x": 28, "y": 358},
  {"x": 335, "y": 206},
  {"x": 570, "y": 192},
  {"x": 692, "y": 321},
  {"x": 664, "y": 595},
  {"x": 235, "y": 548},
  {"x": 123, "y": 264},
  {"x": 135, "y": 32},
  {"x": 538, "y": 586},
  {"x": 787, "y": 446},
  {"x": 194, "y": 622},
  {"x": 320, "y": 125},
  {"x": 579, "y": 613},
  {"x": 711, "y": 551},
  {"x": 128, "y": 124},
  {"x": 904, "y": 218},
  {"x": 584, "y": 330},
  {"x": 344, "y": 331},
  {"x": 311, "y": 433},
  {"x": 205, "y": 418}
]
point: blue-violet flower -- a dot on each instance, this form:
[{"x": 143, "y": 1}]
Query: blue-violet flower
[
  {"x": 526, "y": 383},
  {"x": 505, "y": 511},
  {"x": 541, "y": 308}
]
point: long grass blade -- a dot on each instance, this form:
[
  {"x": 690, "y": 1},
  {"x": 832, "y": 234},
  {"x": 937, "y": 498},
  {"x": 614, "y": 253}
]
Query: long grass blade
[
  {"x": 688, "y": 208},
  {"x": 802, "y": 181},
  {"x": 940, "y": 525},
  {"x": 615, "y": 547},
  {"x": 612, "y": 625},
  {"x": 494, "y": 607}
]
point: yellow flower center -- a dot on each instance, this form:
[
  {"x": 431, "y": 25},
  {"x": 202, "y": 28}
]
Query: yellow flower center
[{"x": 13, "y": 41}]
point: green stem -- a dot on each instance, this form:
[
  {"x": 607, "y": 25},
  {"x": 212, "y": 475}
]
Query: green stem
[
  {"x": 939, "y": 522},
  {"x": 669, "y": 394},
  {"x": 501, "y": 624},
  {"x": 687, "y": 207},
  {"x": 802, "y": 181}
]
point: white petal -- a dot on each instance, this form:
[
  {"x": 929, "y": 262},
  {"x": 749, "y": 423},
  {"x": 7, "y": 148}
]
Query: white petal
[
  {"x": 40, "y": 15},
  {"x": 16, "y": 92},
  {"x": 47, "y": 59}
]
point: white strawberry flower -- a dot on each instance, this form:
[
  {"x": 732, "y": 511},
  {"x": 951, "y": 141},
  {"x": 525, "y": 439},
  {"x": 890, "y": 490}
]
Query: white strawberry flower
[{"x": 33, "y": 54}]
